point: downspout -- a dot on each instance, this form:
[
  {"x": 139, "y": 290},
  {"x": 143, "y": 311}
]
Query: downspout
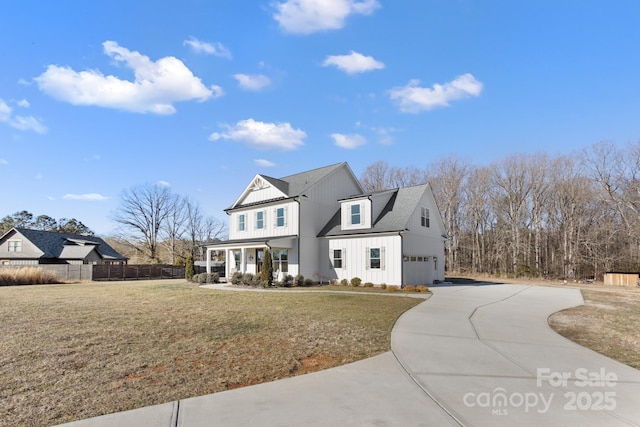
[
  {"x": 297, "y": 199},
  {"x": 401, "y": 234}
]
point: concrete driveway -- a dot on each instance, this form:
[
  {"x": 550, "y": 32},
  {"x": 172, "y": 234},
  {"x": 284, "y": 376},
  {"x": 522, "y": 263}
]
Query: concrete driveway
[{"x": 470, "y": 355}]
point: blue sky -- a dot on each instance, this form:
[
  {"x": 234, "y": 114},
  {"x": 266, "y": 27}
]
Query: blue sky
[{"x": 96, "y": 97}]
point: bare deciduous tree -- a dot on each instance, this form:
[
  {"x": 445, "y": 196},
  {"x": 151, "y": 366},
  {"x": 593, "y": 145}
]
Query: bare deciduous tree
[{"x": 143, "y": 211}]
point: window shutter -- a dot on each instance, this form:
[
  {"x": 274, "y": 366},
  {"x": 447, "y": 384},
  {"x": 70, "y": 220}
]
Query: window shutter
[
  {"x": 368, "y": 258},
  {"x": 275, "y": 218},
  {"x": 382, "y": 258},
  {"x": 344, "y": 257},
  {"x": 286, "y": 215},
  {"x": 362, "y": 214},
  {"x": 349, "y": 214}
]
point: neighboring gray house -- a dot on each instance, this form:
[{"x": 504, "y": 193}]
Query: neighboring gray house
[
  {"x": 21, "y": 246},
  {"x": 321, "y": 224}
]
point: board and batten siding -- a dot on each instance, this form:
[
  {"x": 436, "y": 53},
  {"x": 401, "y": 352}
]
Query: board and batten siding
[
  {"x": 270, "y": 226},
  {"x": 316, "y": 209},
  {"x": 355, "y": 259},
  {"x": 266, "y": 192}
]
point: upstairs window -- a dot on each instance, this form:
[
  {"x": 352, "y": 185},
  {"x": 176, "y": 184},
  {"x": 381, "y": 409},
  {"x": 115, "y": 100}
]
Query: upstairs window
[
  {"x": 355, "y": 214},
  {"x": 15, "y": 245},
  {"x": 424, "y": 218},
  {"x": 241, "y": 222},
  {"x": 260, "y": 220},
  {"x": 280, "y": 217}
]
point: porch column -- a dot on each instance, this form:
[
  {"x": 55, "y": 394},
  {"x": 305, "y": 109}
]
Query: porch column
[
  {"x": 243, "y": 261},
  {"x": 227, "y": 265}
]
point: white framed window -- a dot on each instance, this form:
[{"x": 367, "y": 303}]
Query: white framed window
[
  {"x": 355, "y": 213},
  {"x": 375, "y": 258},
  {"x": 337, "y": 258},
  {"x": 241, "y": 222},
  {"x": 281, "y": 260},
  {"x": 280, "y": 217},
  {"x": 14, "y": 245},
  {"x": 260, "y": 220},
  {"x": 424, "y": 217}
]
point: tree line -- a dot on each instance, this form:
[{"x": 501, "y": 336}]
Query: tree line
[
  {"x": 25, "y": 219},
  {"x": 573, "y": 216}
]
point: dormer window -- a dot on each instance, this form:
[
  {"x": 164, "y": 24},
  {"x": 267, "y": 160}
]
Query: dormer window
[{"x": 355, "y": 214}]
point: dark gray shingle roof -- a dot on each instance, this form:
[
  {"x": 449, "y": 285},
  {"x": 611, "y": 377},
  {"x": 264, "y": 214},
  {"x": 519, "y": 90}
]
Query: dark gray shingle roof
[
  {"x": 394, "y": 216},
  {"x": 53, "y": 244},
  {"x": 297, "y": 184}
]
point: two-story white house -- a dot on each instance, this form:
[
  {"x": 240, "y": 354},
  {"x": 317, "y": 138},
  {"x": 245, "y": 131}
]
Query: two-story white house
[{"x": 322, "y": 225}]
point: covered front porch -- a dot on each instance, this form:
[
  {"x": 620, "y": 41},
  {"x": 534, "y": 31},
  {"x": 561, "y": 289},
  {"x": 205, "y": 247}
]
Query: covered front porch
[{"x": 246, "y": 256}]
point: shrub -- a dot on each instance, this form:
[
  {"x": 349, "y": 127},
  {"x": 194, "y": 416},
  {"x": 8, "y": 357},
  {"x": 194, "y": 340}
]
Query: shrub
[
  {"x": 189, "y": 269},
  {"x": 287, "y": 281},
  {"x": 236, "y": 278},
  {"x": 356, "y": 281},
  {"x": 247, "y": 279},
  {"x": 422, "y": 288},
  {"x": 409, "y": 288},
  {"x": 298, "y": 280},
  {"x": 393, "y": 288},
  {"x": 344, "y": 282},
  {"x": 368, "y": 285},
  {"x": 308, "y": 282},
  {"x": 383, "y": 286}
]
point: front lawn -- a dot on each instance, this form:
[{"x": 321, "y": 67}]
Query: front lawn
[{"x": 69, "y": 352}]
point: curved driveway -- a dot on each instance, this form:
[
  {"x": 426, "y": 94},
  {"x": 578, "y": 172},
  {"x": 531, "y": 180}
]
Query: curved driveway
[{"x": 470, "y": 355}]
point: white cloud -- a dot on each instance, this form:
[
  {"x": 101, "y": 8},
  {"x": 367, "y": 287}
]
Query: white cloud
[
  {"x": 252, "y": 81},
  {"x": 157, "y": 85},
  {"x": 20, "y": 122},
  {"x": 89, "y": 197},
  {"x": 309, "y": 16},
  {"x": 413, "y": 99},
  {"x": 262, "y": 135},
  {"x": 353, "y": 63},
  {"x": 23, "y": 103},
  {"x": 264, "y": 163},
  {"x": 348, "y": 141},
  {"x": 3, "y": 162},
  {"x": 217, "y": 49},
  {"x": 163, "y": 183}
]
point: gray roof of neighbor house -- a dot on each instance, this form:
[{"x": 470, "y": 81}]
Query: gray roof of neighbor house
[
  {"x": 68, "y": 246},
  {"x": 394, "y": 216}
]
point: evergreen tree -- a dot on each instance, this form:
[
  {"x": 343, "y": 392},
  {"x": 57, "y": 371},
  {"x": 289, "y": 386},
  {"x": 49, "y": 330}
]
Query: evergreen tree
[
  {"x": 266, "y": 275},
  {"x": 189, "y": 268}
]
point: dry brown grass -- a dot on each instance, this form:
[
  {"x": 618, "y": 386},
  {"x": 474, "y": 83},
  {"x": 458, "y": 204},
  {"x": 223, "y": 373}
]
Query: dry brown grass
[
  {"x": 69, "y": 352},
  {"x": 26, "y": 276},
  {"x": 607, "y": 323}
]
